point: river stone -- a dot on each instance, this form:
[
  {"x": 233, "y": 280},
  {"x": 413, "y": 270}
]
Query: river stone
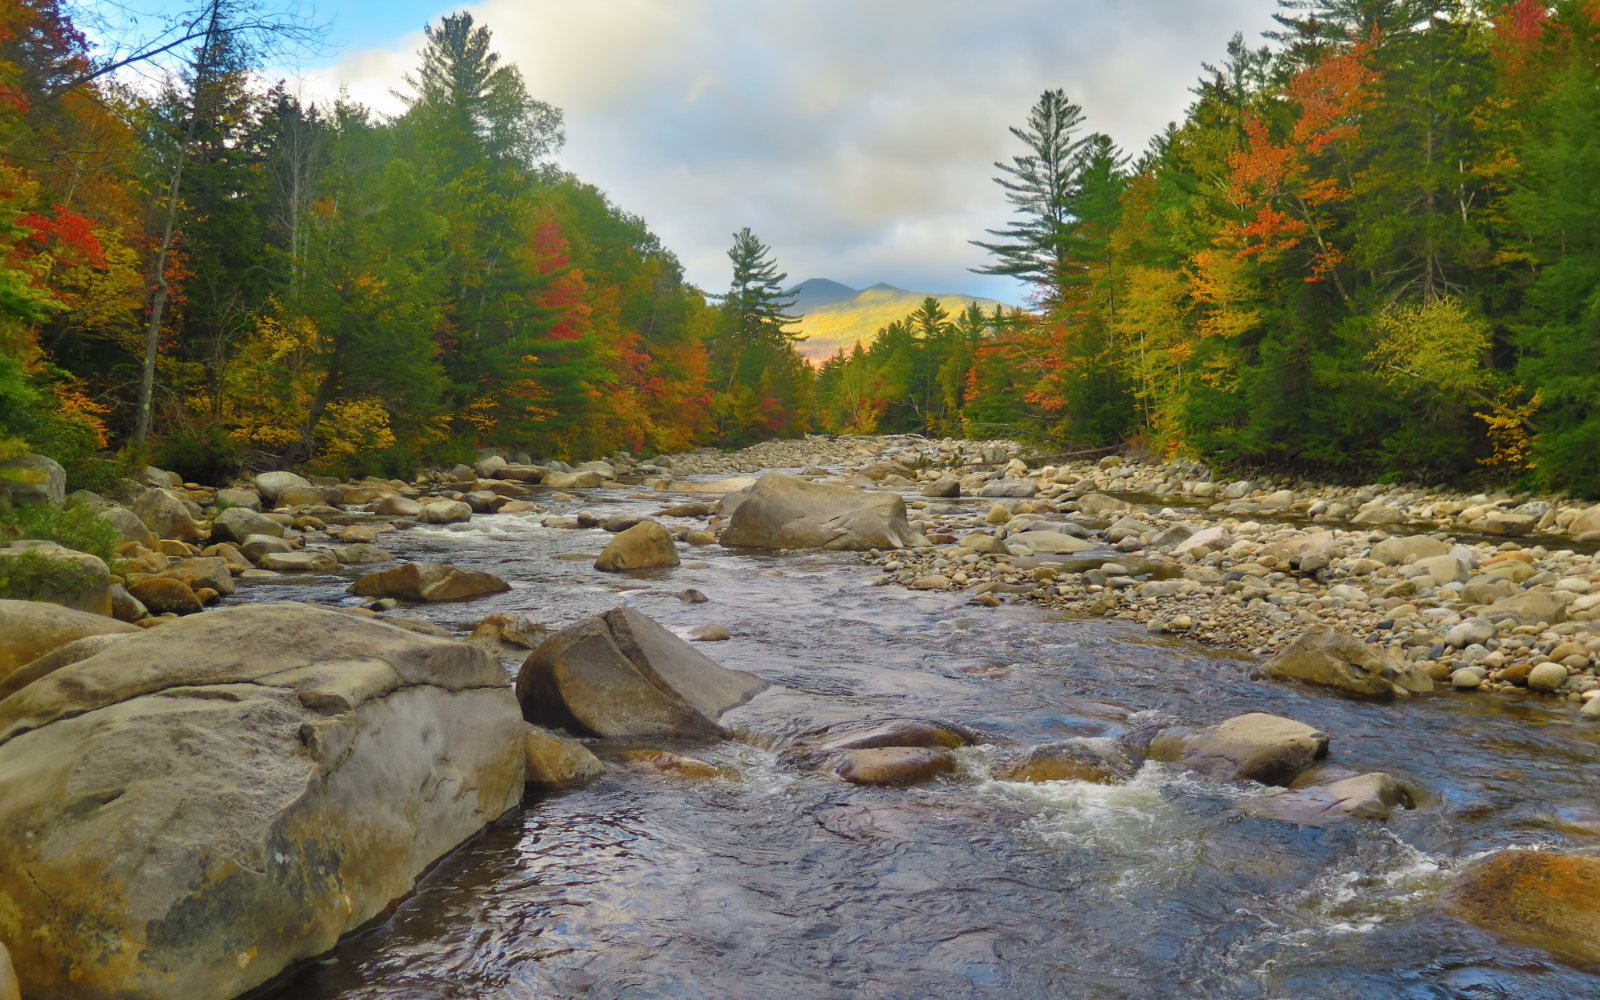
[
  {"x": 240, "y": 498},
  {"x": 129, "y": 526},
  {"x": 306, "y": 561},
  {"x": 945, "y": 487},
  {"x": 900, "y": 734},
  {"x": 646, "y": 545},
  {"x": 1537, "y": 898},
  {"x": 203, "y": 571},
  {"x": 1098, "y": 761},
  {"x": 1009, "y": 488},
  {"x": 573, "y": 480},
  {"x": 985, "y": 544},
  {"x": 30, "y": 629},
  {"x": 555, "y": 761},
  {"x": 166, "y": 516},
  {"x": 1053, "y": 542},
  {"x": 509, "y": 629},
  {"x": 621, "y": 675},
  {"x": 33, "y": 479},
  {"x": 1468, "y": 679},
  {"x": 1547, "y": 677},
  {"x": 238, "y": 523},
  {"x": 1330, "y": 657},
  {"x": 1256, "y": 746},
  {"x": 397, "y": 506},
  {"x": 1205, "y": 540},
  {"x": 163, "y": 595},
  {"x": 786, "y": 512},
  {"x": 429, "y": 582},
  {"x": 666, "y": 762},
  {"x": 76, "y": 580},
  {"x": 489, "y": 466},
  {"x": 731, "y": 484},
  {"x": 270, "y": 484},
  {"x": 9, "y": 990},
  {"x": 1537, "y": 604},
  {"x": 257, "y": 547},
  {"x": 61, "y": 656},
  {"x": 1508, "y": 525},
  {"x": 196, "y": 808},
  {"x": 360, "y": 553},
  {"x": 1397, "y": 550},
  {"x": 1365, "y": 796},
  {"x": 893, "y": 765},
  {"x": 444, "y": 512}
]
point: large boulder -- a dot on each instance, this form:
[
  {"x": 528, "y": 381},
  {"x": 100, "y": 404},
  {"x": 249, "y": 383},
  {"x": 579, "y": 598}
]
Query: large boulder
[
  {"x": 786, "y": 512},
  {"x": 1538, "y": 898},
  {"x": 30, "y": 629},
  {"x": 1402, "y": 548},
  {"x": 167, "y": 516},
  {"x": 444, "y": 512},
  {"x": 9, "y": 990},
  {"x": 193, "y": 810},
  {"x": 269, "y": 484},
  {"x": 129, "y": 525},
  {"x": 238, "y": 523},
  {"x": 622, "y": 675},
  {"x": 33, "y": 479},
  {"x": 573, "y": 480},
  {"x": 165, "y": 596},
  {"x": 45, "y": 571},
  {"x": 1330, "y": 657},
  {"x": 1255, "y": 746},
  {"x": 1361, "y": 796},
  {"x": 61, "y": 656},
  {"x": 1049, "y": 542},
  {"x": 429, "y": 582},
  {"x": 1538, "y": 604},
  {"x": 646, "y": 545}
]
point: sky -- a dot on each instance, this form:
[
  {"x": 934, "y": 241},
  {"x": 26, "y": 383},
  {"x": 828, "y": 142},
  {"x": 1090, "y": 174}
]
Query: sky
[{"x": 857, "y": 138}]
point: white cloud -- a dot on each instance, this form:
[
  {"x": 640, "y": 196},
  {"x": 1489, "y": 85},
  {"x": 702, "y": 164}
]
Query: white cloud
[{"x": 857, "y": 137}]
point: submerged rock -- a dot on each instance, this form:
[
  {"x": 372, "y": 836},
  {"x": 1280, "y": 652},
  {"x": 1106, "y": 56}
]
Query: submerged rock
[
  {"x": 1255, "y": 746},
  {"x": 1099, "y": 761},
  {"x": 1537, "y": 898},
  {"x": 901, "y": 734},
  {"x": 622, "y": 675},
  {"x": 786, "y": 512},
  {"x": 197, "y": 807},
  {"x": 429, "y": 582},
  {"x": 893, "y": 765},
  {"x": 1364, "y": 796},
  {"x": 1330, "y": 657},
  {"x": 672, "y": 764}
]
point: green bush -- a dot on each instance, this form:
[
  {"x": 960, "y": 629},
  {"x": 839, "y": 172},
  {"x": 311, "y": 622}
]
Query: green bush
[
  {"x": 32, "y": 576},
  {"x": 75, "y": 527},
  {"x": 198, "y": 454}
]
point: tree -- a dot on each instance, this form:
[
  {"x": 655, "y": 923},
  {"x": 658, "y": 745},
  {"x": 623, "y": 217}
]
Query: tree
[{"x": 765, "y": 384}]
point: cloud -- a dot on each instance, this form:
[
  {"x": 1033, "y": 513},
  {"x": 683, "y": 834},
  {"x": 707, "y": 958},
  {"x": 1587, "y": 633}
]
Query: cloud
[{"x": 857, "y": 137}]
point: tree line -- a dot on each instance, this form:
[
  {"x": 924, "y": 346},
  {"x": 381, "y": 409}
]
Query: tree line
[{"x": 1369, "y": 249}]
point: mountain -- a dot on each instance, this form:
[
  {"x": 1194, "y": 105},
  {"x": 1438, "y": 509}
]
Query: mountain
[{"x": 833, "y": 315}]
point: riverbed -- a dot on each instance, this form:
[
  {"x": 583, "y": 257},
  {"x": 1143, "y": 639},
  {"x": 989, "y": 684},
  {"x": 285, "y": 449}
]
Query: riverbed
[{"x": 779, "y": 881}]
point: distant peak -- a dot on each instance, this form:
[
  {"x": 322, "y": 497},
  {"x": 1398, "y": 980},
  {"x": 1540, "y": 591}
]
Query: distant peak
[{"x": 884, "y": 286}]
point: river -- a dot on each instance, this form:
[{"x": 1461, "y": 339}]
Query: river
[{"x": 782, "y": 882}]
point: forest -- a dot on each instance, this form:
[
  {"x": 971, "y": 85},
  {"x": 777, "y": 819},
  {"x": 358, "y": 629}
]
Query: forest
[{"x": 1371, "y": 248}]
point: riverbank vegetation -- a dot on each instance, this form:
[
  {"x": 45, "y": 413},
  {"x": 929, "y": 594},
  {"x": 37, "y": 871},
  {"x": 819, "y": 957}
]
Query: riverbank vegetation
[{"x": 1369, "y": 249}]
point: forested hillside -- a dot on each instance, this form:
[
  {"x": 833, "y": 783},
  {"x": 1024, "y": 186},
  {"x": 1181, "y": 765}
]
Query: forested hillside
[{"x": 1372, "y": 247}]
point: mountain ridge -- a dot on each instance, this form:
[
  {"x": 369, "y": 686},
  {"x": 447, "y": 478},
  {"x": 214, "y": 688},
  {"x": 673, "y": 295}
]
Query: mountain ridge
[{"x": 832, "y": 315}]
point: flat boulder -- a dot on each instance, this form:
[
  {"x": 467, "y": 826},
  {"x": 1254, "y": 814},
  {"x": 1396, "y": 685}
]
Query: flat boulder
[
  {"x": 1404, "y": 548},
  {"x": 1256, "y": 746},
  {"x": 444, "y": 512},
  {"x": 893, "y": 765},
  {"x": 270, "y": 484},
  {"x": 397, "y": 506},
  {"x": 945, "y": 487},
  {"x": 238, "y": 523},
  {"x": 1330, "y": 657},
  {"x": 786, "y": 512},
  {"x": 1049, "y": 542},
  {"x": 1532, "y": 606},
  {"x": 202, "y": 805},
  {"x": 429, "y": 582},
  {"x": 1364, "y": 796},
  {"x": 573, "y": 480},
  {"x": 30, "y": 629},
  {"x": 646, "y": 545},
  {"x": 622, "y": 675},
  {"x": 900, "y": 734},
  {"x": 1536, "y": 898},
  {"x": 302, "y": 561},
  {"x": 167, "y": 516}
]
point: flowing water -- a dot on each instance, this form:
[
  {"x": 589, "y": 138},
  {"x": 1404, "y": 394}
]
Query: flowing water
[{"x": 783, "y": 883}]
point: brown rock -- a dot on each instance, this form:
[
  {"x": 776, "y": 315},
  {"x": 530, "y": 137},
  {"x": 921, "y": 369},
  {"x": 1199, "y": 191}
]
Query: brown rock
[
  {"x": 1365, "y": 796},
  {"x": 1330, "y": 657},
  {"x": 163, "y": 595},
  {"x": 555, "y": 761},
  {"x": 30, "y": 629},
  {"x": 1255, "y": 746},
  {"x": 672, "y": 764},
  {"x": 646, "y": 545},
  {"x": 429, "y": 582},
  {"x": 901, "y": 734},
  {"x": 1537, "y": 898},
  {"x": 397, "y": 506},
  {"x": 893, "y": 765},
  {"x": 786, "y": 512},
  {"x": 1073, "y": 760}
]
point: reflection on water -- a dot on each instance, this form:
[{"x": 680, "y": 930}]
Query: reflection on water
[{"x": 786, "y": 883}]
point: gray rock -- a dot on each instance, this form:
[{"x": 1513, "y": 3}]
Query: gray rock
[
  {"x": 1365, "y": 796},
  {"x": 1473, "y": 631},
  {"x": 234, "y": 792},
  {"x": 306, "y": 561},
  {"x": 1547, "y": 677},
  {"x": 1396, "y": 550},
  {"x": 167, "y": 516},
  {"x": 786, "y": 512},
  {"x": 1329, "y": 657},
  {"x": 621, "y": 675},
  {"x": 129, "y": 526},
  {"x": 646, "y": 545},
  {"x": 33, "y": 479},
  {"x": 445, "y": 512},
  {"x": 238, "y": 523},
  {"x": 270, "y": 484},
  {"x": 240, "y": 498},
  {"x": 1009, "y": 488},
  {"x": 1256, "y": 746},
  {"x": 945, "y": 486}
]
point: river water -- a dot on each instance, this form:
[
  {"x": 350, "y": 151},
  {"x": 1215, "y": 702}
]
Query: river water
[{"x": 781, "y": 882}]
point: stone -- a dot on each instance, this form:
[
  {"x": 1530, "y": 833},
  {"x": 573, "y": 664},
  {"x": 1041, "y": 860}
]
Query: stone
[
  {"x": 129, "y": 526},
  {"x": 1467, "y": 679},
  {"x": 674, "y": 765},
  {"x": 1098, "y": 761},
  {"x": 1532, "y": 606},
  {"x": 166, "y": 516},
  {"x": 499, "y": 631},
  {"x": 621, "y": 675},
  {"x": 61, "y": 656},
  {"x": 1547, "y": 677},
  {"x": 238, "y": 523},
  {"x": 1050, "y": 542},
  {"x": 270, "y": 484},
  {"x": 1203, "y": 541},
  {"x": 1473, "y": 631},
  {"x": 1330, "y": 657},
  {"x": 33, "y": 479},
  {"x": 489, "y": 466},
  {"x": 710, "y": 633},
  {"x": 1009, "y": 488},
  {"x": 425, "y": 581},
  {"x": 9, "y": 989},
  {"x": 30, "y": 629},
  {"x": 360, "y": 553},
  {"x": 310, "y": 496},
  {"x": 786, "y": 512},
  {"x": 397, "y": 506},
  {"x": 1444, "y": 569},
  {"x": 573, "y": 480},
  {"x": 646, "y": 545},
  {"x": 240, "y": 498},
  {"x": 256, "y": 547},
  {"x": 893, "y": 765},
  {"x": 1537, "y": 898},
  {"x": 1256, "y": 746},
  {"x": 946, "y": 486},
  {"x": 1508, "y": 525},
  {"x": 1365, "y": 796},
  {"x": 556, "y": 761},
  {"x": 1100, "y": 505},
  {"x": 444, "y": 512},
  {"x": 65, "y": 577},
  {"x": 203, "y": 571},
  {"x": 124, "y": 606},
  {"x": 200, "y": 806},
  {"x": 732, "y": 484},
  {"x": 1402, "y": 548},
  {"x": 165, "y": 596},
  {"x": 1378, "y": 513},
  {"x": 306, "y": 561},
  {"x": 900, "y": 734}
]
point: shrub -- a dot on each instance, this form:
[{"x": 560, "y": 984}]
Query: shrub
[{"x": 75, "y": 527}]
